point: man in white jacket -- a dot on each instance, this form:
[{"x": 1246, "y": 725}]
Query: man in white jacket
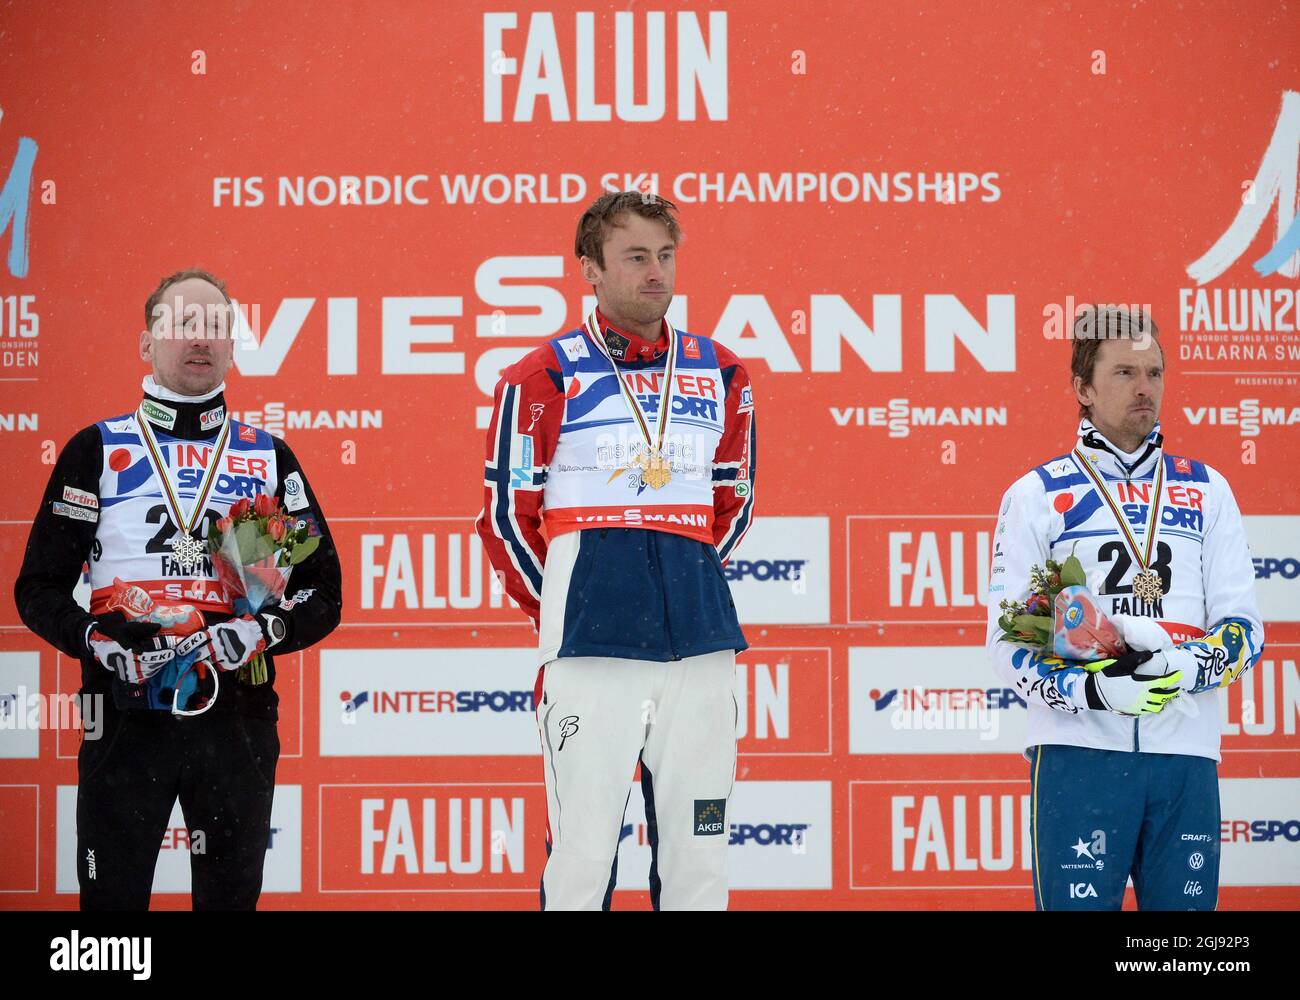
[{"x": 1123, "y": 753}]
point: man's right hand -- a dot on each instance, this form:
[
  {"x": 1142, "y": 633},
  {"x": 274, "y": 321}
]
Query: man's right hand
[
  {"x": 132, "y": 650},
  {"x": 1138, "y": 683}
]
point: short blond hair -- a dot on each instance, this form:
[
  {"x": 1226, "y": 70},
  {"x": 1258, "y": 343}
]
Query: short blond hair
[{"x": 193, "y": 272}]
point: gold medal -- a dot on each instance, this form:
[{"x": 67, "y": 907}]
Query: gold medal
[
  {"x": 656, "y": 468},
  {"x": 1147, "y": 586},
  {"x": 656, "y": 472}
]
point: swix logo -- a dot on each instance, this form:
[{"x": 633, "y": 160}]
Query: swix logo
[{"x": 1275, "y": 181}]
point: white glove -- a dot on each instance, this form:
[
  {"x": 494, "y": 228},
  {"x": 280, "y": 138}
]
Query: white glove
[
  {"x": 228, "y": 645},
  {"x": 1138, "y": 683},
  {"x": 132, "y": 650},
  {"x": 1141, "y": 633}
]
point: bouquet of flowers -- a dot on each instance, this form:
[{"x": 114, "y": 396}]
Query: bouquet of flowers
[
  {"x": 187, "y": 685},
  {"x": 254, "y": 549},
  {"x": 1061, "y": 615},
  {"x": 1062, "y": 620}
]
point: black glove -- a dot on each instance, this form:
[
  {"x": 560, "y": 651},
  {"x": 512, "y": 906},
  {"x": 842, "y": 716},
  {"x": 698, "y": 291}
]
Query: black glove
[{"x": 133, "y": 650}]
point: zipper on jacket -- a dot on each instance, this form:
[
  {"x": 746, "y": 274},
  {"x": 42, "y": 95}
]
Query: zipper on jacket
[
  {"x": 668, "y": 625},
  {"x": 1128, "y": 481}
]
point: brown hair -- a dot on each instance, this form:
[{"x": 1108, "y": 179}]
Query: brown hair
[
  {"x": 1095, "y": 324},
  {"x": 171, "y": 279},
  {"x": 601, "y": 216}
]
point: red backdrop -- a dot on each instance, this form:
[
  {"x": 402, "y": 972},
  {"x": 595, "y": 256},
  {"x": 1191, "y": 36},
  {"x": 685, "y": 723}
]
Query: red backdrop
[{"x": 896, "y": 205}]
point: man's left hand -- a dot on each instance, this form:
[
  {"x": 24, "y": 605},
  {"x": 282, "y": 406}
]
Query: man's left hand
[{"x": 228, "y": 645}]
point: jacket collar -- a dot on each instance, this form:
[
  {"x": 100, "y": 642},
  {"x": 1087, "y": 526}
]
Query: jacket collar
[
  {"x": 187, "y": 417},
  {"x": 1107, "y": 457},
  {"x": 628, "y": 347}
]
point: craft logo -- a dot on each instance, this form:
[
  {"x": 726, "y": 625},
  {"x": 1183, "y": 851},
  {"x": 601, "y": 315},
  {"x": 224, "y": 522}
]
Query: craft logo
[{"x": 1255, "y": 327}]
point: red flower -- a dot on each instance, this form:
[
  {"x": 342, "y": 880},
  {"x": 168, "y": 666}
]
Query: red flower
[
  {"x": 276, "y": 528},
  {"x": 240, "y": 509},
  {"x": 263, "y": 505},
  {"x": 225, "y": 524}
]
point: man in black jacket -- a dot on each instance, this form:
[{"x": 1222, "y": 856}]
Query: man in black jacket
[{"x": 133, "y": 498}]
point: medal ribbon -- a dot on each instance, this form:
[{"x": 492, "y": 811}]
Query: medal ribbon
[
  {"x": 1143, "y": 559},
  {"x": 629, "y": 397},
  {"x": 154, "y": 454}
]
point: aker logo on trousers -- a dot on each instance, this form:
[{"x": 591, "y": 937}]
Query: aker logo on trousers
[
  {"x": 708, "y": 817},
  {"x": 686, "y": 750}
]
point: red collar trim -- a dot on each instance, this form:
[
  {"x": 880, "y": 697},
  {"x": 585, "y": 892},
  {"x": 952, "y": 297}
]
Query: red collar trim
[{"x": 624, "y": 345}]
